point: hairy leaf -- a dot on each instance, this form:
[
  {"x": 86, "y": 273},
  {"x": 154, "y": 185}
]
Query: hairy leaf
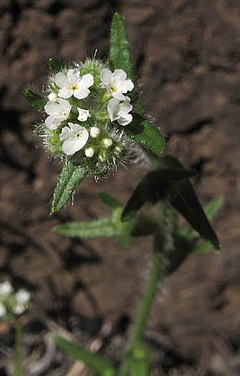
[
  {"x": 92, "y": 229},
  {"x": 120, "y": 56},
  {"x": 55, "y": 65},
  {"x": 69, "y": 180},
  {"x": 36, "y": 100},
  {"x": 93, "y": 361},
  {"x": 170, "y": 182},
  {"x": 145, "y": 133},
  {"x": 109, "y": 200}
]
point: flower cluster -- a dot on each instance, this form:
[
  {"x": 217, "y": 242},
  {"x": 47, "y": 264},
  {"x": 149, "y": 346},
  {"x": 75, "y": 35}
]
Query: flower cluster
[
  {"x": 87, "y": 108},
  {"x": 12, "y": 302}
]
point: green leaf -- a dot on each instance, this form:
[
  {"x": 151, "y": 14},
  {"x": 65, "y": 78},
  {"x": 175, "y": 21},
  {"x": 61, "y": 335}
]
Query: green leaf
[
  {"x": 36, "y": 100},
  {"x": 170, "y": 182},
  {"x": 183, "y": 198},
  {"x": 120, "y": 56},
  {"x": 109, "y": 200},
  {"x": 92, "y": 229},
  {"x": 55, "y": 65},
  {"x": 95, "y": 362},
  {"x": 211, "y": 210},
  {"x": 145, "y": 133},
  {"x": 154, "y": 186},
  {"x": 69, "y": 180}
]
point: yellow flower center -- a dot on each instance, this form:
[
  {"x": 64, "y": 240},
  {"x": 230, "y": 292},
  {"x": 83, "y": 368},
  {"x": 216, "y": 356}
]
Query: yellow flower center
[{"x": 74, "y": 87}]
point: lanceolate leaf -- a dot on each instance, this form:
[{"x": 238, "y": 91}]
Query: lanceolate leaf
[
  {"x": 109, "y": 200},
  {"x": 141, "y": 130},
  {"x": 154, "y": 186},
  {"x": 170, "y": 182},
  {"x": 145, "y": 133},
  {"x": 95, "y": 362},
  {"x": 35, "y": 99},
  {"x": 55, "y": 65},
  {"x": 69, "y": 180},
  {"x": 120, "y": 56},
  {"x": 92, "y": 229},
  {"x": 211, "y": 210}
]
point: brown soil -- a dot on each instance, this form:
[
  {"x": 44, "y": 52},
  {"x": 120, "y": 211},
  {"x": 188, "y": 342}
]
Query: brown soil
[{"x": 187, "y": 56}]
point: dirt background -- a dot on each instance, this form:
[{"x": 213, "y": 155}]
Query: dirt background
[{"x": 187, "y": 54}]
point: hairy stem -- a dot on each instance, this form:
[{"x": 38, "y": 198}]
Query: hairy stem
[{"x": 18, "y": 349}]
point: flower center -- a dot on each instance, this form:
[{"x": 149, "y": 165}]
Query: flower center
[
  {"x": 79, "y": 135},
  {"x": 113, "y": 88},
  {"x": 74, "y": 87}
]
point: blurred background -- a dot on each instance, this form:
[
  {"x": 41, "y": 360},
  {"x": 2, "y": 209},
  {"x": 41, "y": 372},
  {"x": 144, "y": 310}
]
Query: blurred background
[{"x": 187, "y": 55}]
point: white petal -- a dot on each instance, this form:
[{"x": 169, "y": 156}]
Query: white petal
[
  {"x": 125, "y": 107},
  {"x": 87, "y": 80},
  {"x": 113, "y": 108},
  {"x": 118, "y": 95},
  {"x": 65, "y": 92},
  {"x": 119, "y": 75},
  {"x": 51, "y": 108},
  {"x": 65, "y": 134},
  {"x": 125, "y": 120},
  {"x": 73, "y": 76},
  {"x": 64, "y": 104},
  {"x": 52, "y": 122},
  {"x": 61, "y": 80},
  {"x": 126, "y": 86},
  {"x": 81, "y": 93},
  {"x": 68, "y": 147},
  {"x": 105, "y": 76},
  {"x": 83, "y": 114}
]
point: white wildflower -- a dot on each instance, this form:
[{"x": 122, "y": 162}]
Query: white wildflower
[
  {"x": 52, "y": 97},
  {"x": 119, "y": 111},
  {"x": 116, "y": 83},
  {"x": 107, "y": 142},
  {"x": 58, "y": 112},
  {"x": 89, "y": 152},
  {"x": 72, "y": 83},
  {"x": 74, "y": 138},
  {"x": 19, "y": 309},
  {"x": 94, "y": 132},
  {"x": 3, "y": 310},
  {"x": 5, "y": 288},
  {"x": 83, "y": 115},
  {"x": 22, "y": 296}
]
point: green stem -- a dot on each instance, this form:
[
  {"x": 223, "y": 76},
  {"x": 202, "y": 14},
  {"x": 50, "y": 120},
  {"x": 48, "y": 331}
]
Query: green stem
[
  {"x": 156, "y": 270},
  {"x": 18, "y": 349}
]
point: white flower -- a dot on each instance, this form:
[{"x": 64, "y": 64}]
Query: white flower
[
  {"x": 74, "y": 137},
  {"x": 83, "y": 115},
  {"x": 5, "y": 288},
  {"x": 22, "y": 296},
  {"x": 58, "y": 112},
  {"x": 89, "y": 152},
  {"x": 94, "y": 132},
  {"x": 116, "y": 83},
  {"x": 19, "y": 309},
  {"x": 119, "y": 111},
  {"x": 52, "y": 97},
  {"x": 2, "y": 310},
  {"x": 107, "y": 142},
  {"x": 72, "y": 83}
]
